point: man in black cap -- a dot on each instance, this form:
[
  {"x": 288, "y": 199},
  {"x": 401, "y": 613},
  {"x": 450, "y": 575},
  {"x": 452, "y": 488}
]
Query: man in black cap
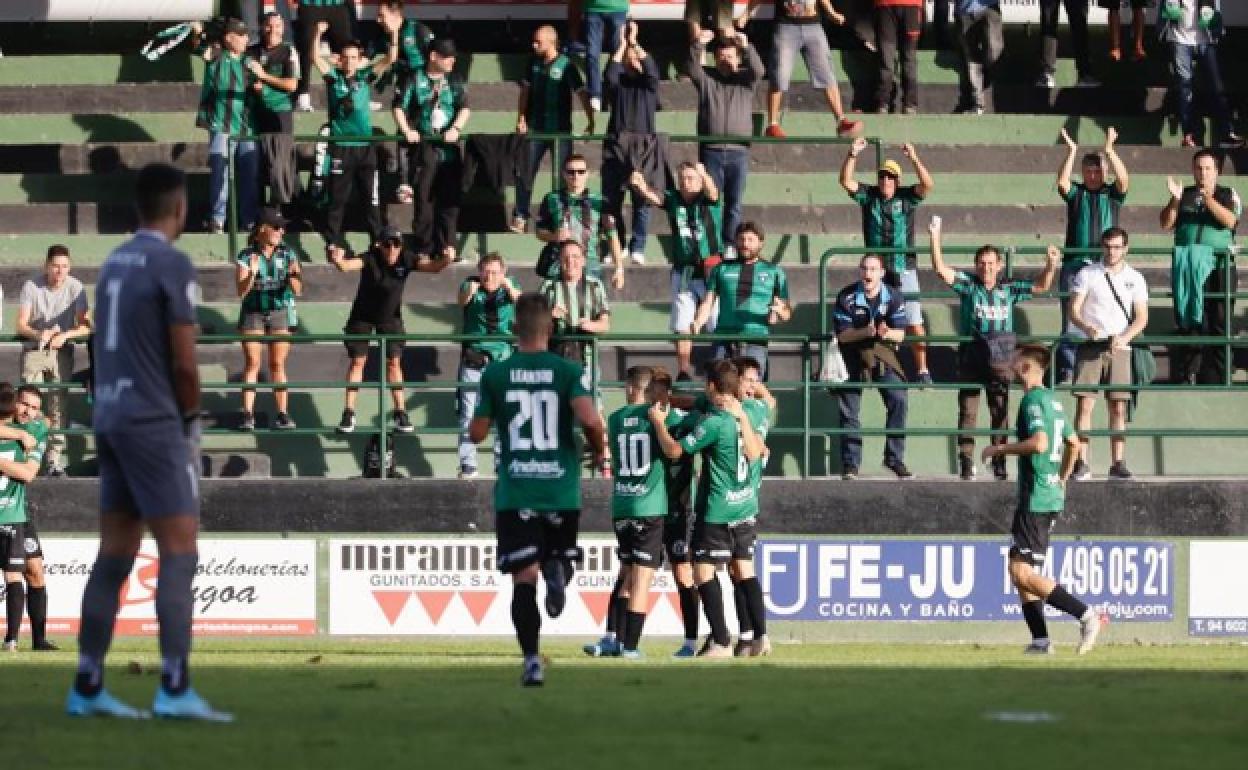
[
  {"x": 222, "y": 112},
  {"x": 377, "y": 309},
  {"x": 430, "y": 112}
]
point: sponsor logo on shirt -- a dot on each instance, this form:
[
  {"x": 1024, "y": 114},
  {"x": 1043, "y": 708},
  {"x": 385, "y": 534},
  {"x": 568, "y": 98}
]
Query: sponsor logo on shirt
[{"x": 536, "y": 469}]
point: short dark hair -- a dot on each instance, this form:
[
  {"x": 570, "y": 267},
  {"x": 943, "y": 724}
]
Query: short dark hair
[
  {"x": 29, "y": 388},
  {"x": 157, "y": 191},
  {"x": 352, "y": 43},
  {"x": 688, "y": 164},
  {"x": 491, "y": 256},
  {"x": 533, "y": 316},
  {"x": 1206, "y": 153},
  {"x": 1035, "y": 352},
  {"x": 744, "y": 363},
  {"x": 576, "y": 156},
  {"x": 750, "y": 227},
  {"x": 639, "y": 376},
  {"x": 1115, "y": 232},
  {"x": 392, "y": 3},
  {"x": 723, "y": 375},
  {"x": 566, "y": 242},
  {"x": 270, "y": 15},
  {"x": 986, "y": 249},
  {"x": 876, "y": 257},
  {"x": 8, "y": 401},
  {"x": 1093, "y": 159},
  {"x": 57, "y": 250}
]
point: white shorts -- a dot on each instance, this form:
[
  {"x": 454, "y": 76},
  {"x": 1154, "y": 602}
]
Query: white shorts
[
  {"x": 910, "y": 285},
  {"x": 688, "y": 291}
]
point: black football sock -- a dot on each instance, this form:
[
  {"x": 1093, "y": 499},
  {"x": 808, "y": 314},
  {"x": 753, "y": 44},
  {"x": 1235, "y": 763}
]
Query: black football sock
[
  {"x": 100, "y": 600},
  {"x": 634, "y": 622},
  {"x": 613, "y": 617},
  {"x": 755, "y": 610},
  {"x": 713, "y": 606},
  {"x": 619, "y": 611},
  {"x": 174, "y": 611},
  {"x": 37, "y": 609},
  {"x": 1063, "y": 601},
  {"x": 689, "y": 607},
  {"x": 1033, "y": 613},
  {"x": 743, "y": 611},
  {"x": 15, "y": 607},
  {"x": 525, "y": 617}
]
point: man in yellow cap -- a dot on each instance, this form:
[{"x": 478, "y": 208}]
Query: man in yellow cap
[{"x": 888, "y": 223}]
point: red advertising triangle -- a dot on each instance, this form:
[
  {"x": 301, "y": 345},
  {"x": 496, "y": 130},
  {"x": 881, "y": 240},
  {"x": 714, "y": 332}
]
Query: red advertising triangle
[
  {"x": 597, "y": 602},
  {"x": 673, "y": 598},
  {"x": 435, "y": 603},
  {"x": 478, "y": 603},
  {"x": 392, "y": 603},
  {"x": 652, "y": 599}
]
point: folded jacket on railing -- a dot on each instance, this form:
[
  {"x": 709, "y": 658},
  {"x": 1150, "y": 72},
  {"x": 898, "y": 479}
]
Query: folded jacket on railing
[{"x": 1189, "y": 269}]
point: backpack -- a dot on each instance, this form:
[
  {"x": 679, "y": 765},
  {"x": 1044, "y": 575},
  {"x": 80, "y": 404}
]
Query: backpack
[{"x": 372, "y": 458}]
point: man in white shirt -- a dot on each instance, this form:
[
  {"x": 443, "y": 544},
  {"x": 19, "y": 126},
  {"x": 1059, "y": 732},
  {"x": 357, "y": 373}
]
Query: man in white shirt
[
  {"x": 51, "y": 314},
  {"x": 1109, "y": 309}
]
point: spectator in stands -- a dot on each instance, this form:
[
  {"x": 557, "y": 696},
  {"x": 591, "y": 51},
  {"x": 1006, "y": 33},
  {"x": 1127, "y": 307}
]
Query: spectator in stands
[
  {"x": 268, "y": 277},
  {"x": 1138, "y": 8},
  {"x": 1092, "y": 207},
  {"x": 695, "y": 212},
  {"x": 378, "y": 309},
  {"x": 51, "y": 314},
  {"x": 354, "y": 162},
  {"x": 799, "y": 27},
  {"x": 1109, "y": 310},
  {"x": 315, "y": 18},
  {"x": 752, "y": 296},
  {"x": 898, "y": 24},
  {"x": 603, "y": 22},
  {"x": 986, "y": 315},
  {"x": 869, "y": 317},
  {"x": 573, "y": 213},
  {"x": 1203, "y": 217},
  {"x": 707, "y": 16},
  {"x": 1193, "y": 29},
  {"x": 488, "y": 300},
  {"x": 578, "y": 305},
  {"x": 274, "y": 67},
  {"x": 726, "y": 108},
  {"x": 1077, "y": 15},
  {"x": 431, "y": 112},
  {"x": 545, "y": 106},
  {"x": 633, "y": 89},
  {"x": 888, "y": 223},
  {"x": 415, "y": 37},
  {"x": 222, "y": 112},
  {"x": 981, "y": 42}
]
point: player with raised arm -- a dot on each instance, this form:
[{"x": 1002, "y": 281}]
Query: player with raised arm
[
  {"x": 726, "y": 504},
  {"x": 1047, "y": 448},
  {"x": 147, "y": 437},
  {"x": 533, "y": 399}
]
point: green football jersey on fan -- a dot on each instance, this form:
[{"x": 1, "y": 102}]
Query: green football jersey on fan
[
  {"x": 638, "y": 464},
  {"x": 725, "y": 494},
  {"x": 529, "y": 399},
  {"x": 12, "y": 492},
  {"x": 1040, "y": 487}
]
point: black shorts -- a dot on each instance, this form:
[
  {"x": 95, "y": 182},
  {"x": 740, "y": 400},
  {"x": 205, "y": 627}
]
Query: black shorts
[
  {"x": 1113, "y": 5},
  {"x": 19, "y": 542},
  {"x": 677, "y": 534},
  {"x": 359, "y": 348},
  {"x": 641, "y": 541},
  {"x": 1029, "y": 536},
  {"x": 721, "y": 543},
  {"x": 528, "y": 537}
]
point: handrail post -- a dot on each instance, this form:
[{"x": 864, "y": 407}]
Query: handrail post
[
  {"x": 879, "y": 151},
  {"x": 1009, "y": 263},
  {"x": 1228, "y": 315},
  {"x": 381, "y": 400},
  {"x": 593, "y": 382},
  {"x": 231, "y": 146},
  {"x": 806, "y": 377}
]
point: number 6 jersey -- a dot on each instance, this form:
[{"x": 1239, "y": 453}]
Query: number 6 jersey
[{"x": 529, "y": 399}]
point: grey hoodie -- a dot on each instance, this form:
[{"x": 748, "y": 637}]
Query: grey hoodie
[{"x": 725, "y": 102}]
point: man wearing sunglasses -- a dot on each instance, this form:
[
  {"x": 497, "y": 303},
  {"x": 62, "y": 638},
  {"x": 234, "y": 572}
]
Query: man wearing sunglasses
[
  {"x": 378, "y": 309},
  {"x": 573, "y": 213}
]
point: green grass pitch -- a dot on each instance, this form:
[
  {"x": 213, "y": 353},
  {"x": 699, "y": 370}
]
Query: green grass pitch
[{"x": 455, "y": 704}]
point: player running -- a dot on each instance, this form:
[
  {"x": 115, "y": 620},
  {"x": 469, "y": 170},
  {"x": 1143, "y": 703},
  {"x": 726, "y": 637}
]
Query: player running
[
  {"x": 18, "y": 467},
  {"x": 147, "y": 437},
  {"x": 726, "y": 504},
  {"x": 533, "y": 399},
  {"x": 1047, "y": 448},
  {"x": 31, "y": 431}
]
